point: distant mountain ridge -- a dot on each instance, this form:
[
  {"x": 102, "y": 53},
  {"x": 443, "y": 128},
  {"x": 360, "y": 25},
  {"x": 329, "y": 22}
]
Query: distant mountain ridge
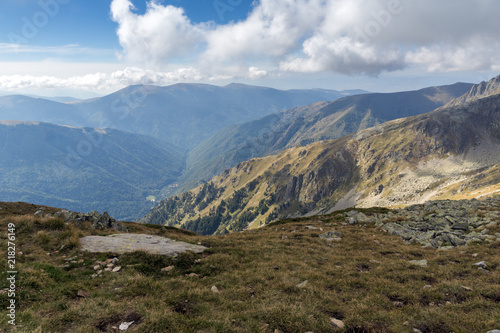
[
  {"x": 303, "y": 125},
  {"x": 450, "y": 153},
  {"x": 84, "y": 169},
  {"x": 182, "y": 114}
]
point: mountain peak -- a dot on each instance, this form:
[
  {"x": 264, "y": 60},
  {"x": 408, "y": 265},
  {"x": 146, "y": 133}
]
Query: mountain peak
[{"x": 479, "y": 91}]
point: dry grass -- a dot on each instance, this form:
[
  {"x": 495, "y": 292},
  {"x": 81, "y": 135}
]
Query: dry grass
[{"x": 365, "y": 279}]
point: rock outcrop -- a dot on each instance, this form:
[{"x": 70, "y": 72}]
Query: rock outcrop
[
  {"x": 99, "y": 221},
  {"x": 439, "y": 224}
]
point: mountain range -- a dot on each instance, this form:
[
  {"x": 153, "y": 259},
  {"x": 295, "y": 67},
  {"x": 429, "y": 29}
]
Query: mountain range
[
  {"x": 180, "y": 114},
  {"x": 137, "y": 160},
  {"x": 450, "y": 153},
  {"x": 303, "y": 125}
]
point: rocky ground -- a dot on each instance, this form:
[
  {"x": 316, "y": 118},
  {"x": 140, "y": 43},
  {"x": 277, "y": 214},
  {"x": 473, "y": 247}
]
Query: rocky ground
[{"x": 439, "y": 224}]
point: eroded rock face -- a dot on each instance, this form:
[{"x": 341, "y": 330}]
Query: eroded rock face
[{"x": 122, "y": 243}]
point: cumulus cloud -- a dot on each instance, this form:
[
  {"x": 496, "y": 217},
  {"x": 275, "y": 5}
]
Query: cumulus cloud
[
  {"x": 342, "y": 36},
  {"x": 161, "y": 33}
]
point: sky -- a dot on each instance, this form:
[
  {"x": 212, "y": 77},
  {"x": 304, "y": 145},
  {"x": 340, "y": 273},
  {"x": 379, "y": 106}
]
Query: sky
[{"x": 87, "y": 47}]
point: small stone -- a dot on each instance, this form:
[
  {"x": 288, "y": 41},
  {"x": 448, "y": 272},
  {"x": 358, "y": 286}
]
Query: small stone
[
  {"x": 278, "y": 331},
  {"x": 466, "y": 288},
  {"x": 39, "y": 213},
  {"x": 337, "y": 323},
  {"x": 110, "y": 265},
  {"x": 481, "y": 264},
  {"x": 493, "y": 331},
  {"x": 124, "y": 326},
  {"x": 82, "y": 294},
  {"x": 310, "y": 227},
  {"x": 421, "y": 263},
  {"x": 192, "y": 275},
  {"x": 214, "y": 289},
  {"x": 97, "y": 267},
  {"x": 284, "y": 237},
  {"x": 398, "y": 304},
  {"x": 373, "y": 261},
  {"x": 107, "y": 269},
  {"x": 115, "y": 260},
  {"x": 116, "y": 269},
  {"x": 303, "y": 284},
  {"x": 167, "y": 269}
]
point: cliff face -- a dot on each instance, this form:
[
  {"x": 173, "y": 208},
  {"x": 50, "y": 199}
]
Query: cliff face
[{"x": 448, "y": 153}]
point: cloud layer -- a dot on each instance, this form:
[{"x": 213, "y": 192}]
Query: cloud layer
[
  {"x": 97, "y": 81},
  {"x": 341, "y": 36}
]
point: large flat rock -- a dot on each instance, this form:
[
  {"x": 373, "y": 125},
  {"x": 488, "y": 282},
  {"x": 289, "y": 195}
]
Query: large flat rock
[{"x": 121, "y": 243}]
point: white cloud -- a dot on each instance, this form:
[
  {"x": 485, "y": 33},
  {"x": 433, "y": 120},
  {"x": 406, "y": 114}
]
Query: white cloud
[
  {"x": 341, "y": 36},
  {"x": 161, "y": 33},
  {"x": 97, "y": 81},
  {"x": 255, "y": 73}
]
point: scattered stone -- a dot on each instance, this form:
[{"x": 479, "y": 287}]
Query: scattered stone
[
  {"x": 116, "y": 269},
  {"x": 115, "y": 260},
  {"x": 214, "y": 289},
  {"x": 284, "y": 237},
  {"x": 481, "y": 264},
  {"x": 97, "y": 267},
  {"x": 278, "y": 331},
  {"x": 82, "y": 294},
  {"x": 398, "y": 304},
  {"x": 107, "y": 269},
  {"x": 466, "y": 288},
  {"x": 493, "y": 331},
  {"x": 124, "y": 326},
  {"x": 427, "y": 286},
  {"x": 167, "y": 269},
  {"x": 40, "y": 213},
  {"x": 303, "y": 284},
  {"x": 337, "y": 323},
  {"x": 192, "y": 275},
  {"x": 331, "y": 236},
  {"x": 422, "y": 263},
  {"x": 310, "y": 227}
]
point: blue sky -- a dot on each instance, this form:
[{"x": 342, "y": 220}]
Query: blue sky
[{"x": 55, "y": 47}]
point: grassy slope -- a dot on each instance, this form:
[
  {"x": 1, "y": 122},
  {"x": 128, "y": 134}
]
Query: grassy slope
[{"x": 365, "y": 280}]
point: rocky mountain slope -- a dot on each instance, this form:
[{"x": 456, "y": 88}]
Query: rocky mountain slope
[
  {"x": 453, "y": 152},
  {"x": 84, "y": 169},
  {"x": 304, "y": 125}
]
